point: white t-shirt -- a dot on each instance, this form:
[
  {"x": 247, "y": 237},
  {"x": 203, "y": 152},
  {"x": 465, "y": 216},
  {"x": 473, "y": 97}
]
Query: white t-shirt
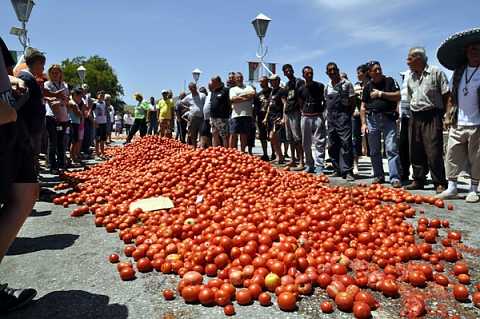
[
  {"x": 468, "y": 113},
  {"x": 100, "y": 112},
  {"x": 195, "y": 103},
  {"x": 62, "y": 110},
  {"x": 241, "y": 108}
]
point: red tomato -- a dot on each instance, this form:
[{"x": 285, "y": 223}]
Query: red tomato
[
  {"x": 460, "y": 292},
  {"x": 365, "y": 296},
  {"x": 229, "y": 310},
  {"x": 389, "y": 287},
  {"x": 114, "y": 258},
  {"x": 190, "y": 293},
  {"x": 287, "y": 301},
  {"x": 243, "y": 297},
  {"x": 361, "y": 310},
  {"x": 476, "y": 299},
  {"x": 222, "y": 297},
  {"x": 344, "y": 301},
  {"x": 168, "y": 294},
  {"x": 206, "y": 296},
  {"x": 460, "y": 268},
  {"x": 144, "y": 264},
  {"x": 255, "y": 290},
  {"x": 441, "y": 279},
  {"x": 326, "y": 306},
  {"x": 127, "y": 273},
  {"x": 264, "y": 299}
]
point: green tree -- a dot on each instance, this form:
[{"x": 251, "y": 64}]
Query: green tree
[{"x": 100, "y": 76}]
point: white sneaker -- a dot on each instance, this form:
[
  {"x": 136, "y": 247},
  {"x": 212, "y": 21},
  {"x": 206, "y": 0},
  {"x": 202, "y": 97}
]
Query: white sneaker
[
  {"x": 447, "y": 195},
  {"x": 472, "y": 198}
]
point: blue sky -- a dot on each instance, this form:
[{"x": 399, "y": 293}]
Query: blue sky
[{"x": 155, "y": 45}]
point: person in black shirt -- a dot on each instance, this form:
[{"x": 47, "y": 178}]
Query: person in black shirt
[
  {"x": 292, "y": 117},
  {"x": 379, "y": 112},
  {"x": 18, "y": 182},
  {"x": 273, "y": 117},
  {"x": 260, "y": 104},
  {"x": 219, "y": 111},
  {"x": 311, "y": 98}
]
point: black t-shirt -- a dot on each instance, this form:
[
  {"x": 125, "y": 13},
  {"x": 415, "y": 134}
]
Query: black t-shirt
[
  {"x": 275, "y": 104},
  {"x": 261, "y": 100},
  {"x": 290, "y": 94},
  {"x": 33, "y": 111},
  {"x": 388, "y": 84},
  {"x": 219, "y": 103},
  {"x": 313, "y": 97},
  {"x": 9, "y": 61}
]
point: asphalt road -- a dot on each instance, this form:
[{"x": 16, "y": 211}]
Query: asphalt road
[{"x": 66, "y": 260}]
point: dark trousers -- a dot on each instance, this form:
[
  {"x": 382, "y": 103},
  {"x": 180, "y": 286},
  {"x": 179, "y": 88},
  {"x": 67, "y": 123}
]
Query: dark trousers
[
  {"x": 87, "y": 136},
  {"x": 56, "y": 136},
  {"x": 404, "y": 148},
  {"x": 181, "y": 130},
  {"x": 138, "y": 125},
  {"x": 426, "y": 146},
  {"x": 357, "y": 136},
  {"x": 340, "y": 146}
]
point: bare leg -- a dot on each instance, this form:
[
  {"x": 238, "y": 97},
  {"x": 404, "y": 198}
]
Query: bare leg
[
  {"x": 234, "y": 141},
  {"x": 14, "y": 212}
]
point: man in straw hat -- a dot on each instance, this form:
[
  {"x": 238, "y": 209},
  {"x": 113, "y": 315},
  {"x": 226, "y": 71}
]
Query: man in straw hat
[{"x": 461, "y": 53}]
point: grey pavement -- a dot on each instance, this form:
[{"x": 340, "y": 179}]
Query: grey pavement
[{"x": 66, "y": 260}]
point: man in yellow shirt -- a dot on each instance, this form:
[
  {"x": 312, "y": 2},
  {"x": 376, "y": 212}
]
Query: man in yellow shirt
[{"x": 165, "y": 117}]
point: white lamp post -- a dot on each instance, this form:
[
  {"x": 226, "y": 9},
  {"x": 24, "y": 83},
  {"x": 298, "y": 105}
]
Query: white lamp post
[
  {"x": 82, "y": 72},
  {"x": 23, "y": 9},
  {"x": 196, "y": 75},
  {"x": 260, "y": 24}
]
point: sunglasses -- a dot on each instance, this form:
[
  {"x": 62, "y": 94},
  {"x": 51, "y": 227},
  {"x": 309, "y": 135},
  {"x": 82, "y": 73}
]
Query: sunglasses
[{"x": 372, "y": 63}]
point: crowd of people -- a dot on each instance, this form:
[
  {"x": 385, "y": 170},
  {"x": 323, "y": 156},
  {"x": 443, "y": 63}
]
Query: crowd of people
[{"x": 373, "y": 117}]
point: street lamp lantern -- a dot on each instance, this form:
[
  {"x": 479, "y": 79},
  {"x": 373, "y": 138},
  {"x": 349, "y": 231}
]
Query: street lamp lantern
[
  {"x": 23, "y": 9},
  {"x": 196, "y": 75},
  {"x": 260, "y": 24},
  {"x": 82, "y": 72}
]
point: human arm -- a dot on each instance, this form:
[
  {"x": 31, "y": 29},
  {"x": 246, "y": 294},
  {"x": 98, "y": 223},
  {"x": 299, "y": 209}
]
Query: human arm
[
  {"x": 363, "y": 117},
  {"x": 284, "y": 103},
  {"x": 448, "y": 116},
  {"x": 243, "y": 97},
  {"x": 391, "y": 96}
]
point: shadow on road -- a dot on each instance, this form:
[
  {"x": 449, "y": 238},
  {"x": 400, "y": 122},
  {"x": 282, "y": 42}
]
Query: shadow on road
[
  {"x": 25, "y": 245},
  {"x": 70, "y": 304}
]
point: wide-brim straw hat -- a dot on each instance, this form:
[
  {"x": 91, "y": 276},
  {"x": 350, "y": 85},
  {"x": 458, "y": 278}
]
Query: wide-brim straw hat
[{"x": 451, "y": 53}]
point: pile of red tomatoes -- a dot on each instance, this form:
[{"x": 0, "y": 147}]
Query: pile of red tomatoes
[{"x": 260, "y": 232}]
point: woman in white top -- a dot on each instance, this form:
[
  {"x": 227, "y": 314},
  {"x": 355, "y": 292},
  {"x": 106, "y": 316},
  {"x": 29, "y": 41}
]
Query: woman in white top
[{"x": 56, "y": 118}]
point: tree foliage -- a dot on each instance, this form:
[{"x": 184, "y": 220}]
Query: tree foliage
[{"x": 100, "y": 76}]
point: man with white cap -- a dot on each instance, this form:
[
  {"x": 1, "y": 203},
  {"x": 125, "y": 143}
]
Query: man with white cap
[{"x": 461, "y": 53}]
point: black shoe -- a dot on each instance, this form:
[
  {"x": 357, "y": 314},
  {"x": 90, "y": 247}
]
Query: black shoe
[
  {"x": 265, "y": 158},
  {"x": 350, "y": 178},
  {"x": 378, "y": 181},
  {"x": 273, "y": 157},
  {"x": 12, "y": 299}
]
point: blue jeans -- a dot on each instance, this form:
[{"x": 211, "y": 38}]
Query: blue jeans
[
  {"x": 313, "y": 125},
  {"x": 378, "y": 124}
]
